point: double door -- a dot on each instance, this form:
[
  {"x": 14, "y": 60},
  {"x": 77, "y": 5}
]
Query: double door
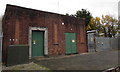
[{"x": 70, "y": 40}]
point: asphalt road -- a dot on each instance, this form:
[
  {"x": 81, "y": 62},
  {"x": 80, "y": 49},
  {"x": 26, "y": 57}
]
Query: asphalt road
[{"x": 90, "y": 61}]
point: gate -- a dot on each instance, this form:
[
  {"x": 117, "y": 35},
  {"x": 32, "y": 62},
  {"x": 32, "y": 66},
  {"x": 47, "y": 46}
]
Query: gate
[{"x": 91, "y": 42}]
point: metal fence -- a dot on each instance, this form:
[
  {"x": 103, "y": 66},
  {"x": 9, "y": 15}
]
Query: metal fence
[
  {"x": 102, "y": 43},
  {"x": 105, "y": 43}
]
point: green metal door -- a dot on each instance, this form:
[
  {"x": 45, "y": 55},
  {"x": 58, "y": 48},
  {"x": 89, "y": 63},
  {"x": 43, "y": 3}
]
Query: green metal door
[
  {"x": 70, "y": 40},
  {"x": 37, "y": 43},
  {"x": 73, "y": 42},
  {"x": 68, "y": 43}
]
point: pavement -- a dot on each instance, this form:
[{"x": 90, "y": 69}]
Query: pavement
[
  {"x": 27, "y": 66},
  {"x": 86, "y": 61}
]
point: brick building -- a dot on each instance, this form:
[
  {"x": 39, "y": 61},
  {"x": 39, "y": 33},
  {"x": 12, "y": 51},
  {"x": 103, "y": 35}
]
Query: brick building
[{"x": 45, "y": 33}]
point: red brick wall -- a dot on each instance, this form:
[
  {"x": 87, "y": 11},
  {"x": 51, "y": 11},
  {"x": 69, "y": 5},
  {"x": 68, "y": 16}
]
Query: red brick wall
[{"x": 24, "y": 18}]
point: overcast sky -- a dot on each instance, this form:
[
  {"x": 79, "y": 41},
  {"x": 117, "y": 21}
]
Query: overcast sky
[{"x": 96, "y": 7}]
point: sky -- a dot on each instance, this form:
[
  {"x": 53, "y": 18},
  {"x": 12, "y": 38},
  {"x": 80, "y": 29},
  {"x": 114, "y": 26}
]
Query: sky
[{"x": 96, "y": 7}]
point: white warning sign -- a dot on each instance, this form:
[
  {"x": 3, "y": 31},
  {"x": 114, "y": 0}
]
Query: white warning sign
[{"x": 73, "y": 41}]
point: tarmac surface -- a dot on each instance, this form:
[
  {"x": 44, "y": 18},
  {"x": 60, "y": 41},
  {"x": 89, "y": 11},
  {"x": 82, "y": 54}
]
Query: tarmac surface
[{"x": 87, "y": 61}]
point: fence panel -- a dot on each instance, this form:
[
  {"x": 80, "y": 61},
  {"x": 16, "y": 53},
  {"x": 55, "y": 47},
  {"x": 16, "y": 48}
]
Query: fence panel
[
  {"x": 102, "y": 43},
  {"x": 105, "y": 43},
  {"x": 114, "y": 43}
]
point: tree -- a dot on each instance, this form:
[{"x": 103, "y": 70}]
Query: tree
[
  {"x": 72, "y": 15},
  {"x": 107, "y": 25},
  {"x": 67, "y": 14},
  {"x": 95, "y": 24},
  {"x": 110, "y": 25},
  {"x": 83, "y": 13}
]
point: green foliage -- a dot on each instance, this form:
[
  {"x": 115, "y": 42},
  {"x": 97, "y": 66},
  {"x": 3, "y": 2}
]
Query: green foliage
[
  {"x": 107, "y": 25},
  {"x": 70, "y": 15},
  {"x": 83, "y": 13}
]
